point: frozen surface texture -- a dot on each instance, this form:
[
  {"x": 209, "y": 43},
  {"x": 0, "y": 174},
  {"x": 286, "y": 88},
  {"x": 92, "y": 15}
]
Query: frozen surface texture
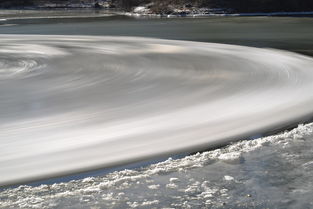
[{"x": 270, "y": 172}]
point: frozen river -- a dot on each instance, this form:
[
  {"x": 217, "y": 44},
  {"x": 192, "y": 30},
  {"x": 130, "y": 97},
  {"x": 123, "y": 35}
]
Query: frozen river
[{"x": 72, "y": 103}]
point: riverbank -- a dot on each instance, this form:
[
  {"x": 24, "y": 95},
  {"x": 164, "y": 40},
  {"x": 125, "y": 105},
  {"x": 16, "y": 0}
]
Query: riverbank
[
  {"x": 157, "y": 9},
  {"x": 148, "y": 11},
  {"x": 194, "y": 15},
  {"x": 35, "y": 13}
]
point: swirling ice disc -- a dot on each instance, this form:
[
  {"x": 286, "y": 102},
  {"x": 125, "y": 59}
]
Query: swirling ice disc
[{"x": 74, "y": 103}]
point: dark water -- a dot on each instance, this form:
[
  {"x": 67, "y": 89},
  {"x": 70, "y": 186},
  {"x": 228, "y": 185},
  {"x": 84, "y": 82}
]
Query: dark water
[{"x": 294, "y": 34}]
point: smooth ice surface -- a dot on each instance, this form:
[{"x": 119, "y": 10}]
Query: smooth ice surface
[
  {"x": 74, "y": 103},
  {"x": 271, "y": 172}
]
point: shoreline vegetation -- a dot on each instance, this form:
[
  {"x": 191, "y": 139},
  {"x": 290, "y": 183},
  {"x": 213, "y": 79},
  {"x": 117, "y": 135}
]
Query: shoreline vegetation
[{"x": 175, "y": 8}]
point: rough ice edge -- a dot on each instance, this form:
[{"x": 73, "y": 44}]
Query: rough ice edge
[{"x": 124, "y": 179}]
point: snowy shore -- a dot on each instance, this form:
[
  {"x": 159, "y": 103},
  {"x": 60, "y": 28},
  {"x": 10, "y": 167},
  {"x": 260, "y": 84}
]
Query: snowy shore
[
  {"x": 147, "y": 11},
  {"x": 217, "y": 14}
]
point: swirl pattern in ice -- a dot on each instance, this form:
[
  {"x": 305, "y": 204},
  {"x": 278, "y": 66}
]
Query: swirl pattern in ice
[{"x": 75, "y": 103}]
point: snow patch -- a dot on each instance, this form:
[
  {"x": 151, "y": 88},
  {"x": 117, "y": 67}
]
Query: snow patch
[{"x": 228, "y": 178}]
